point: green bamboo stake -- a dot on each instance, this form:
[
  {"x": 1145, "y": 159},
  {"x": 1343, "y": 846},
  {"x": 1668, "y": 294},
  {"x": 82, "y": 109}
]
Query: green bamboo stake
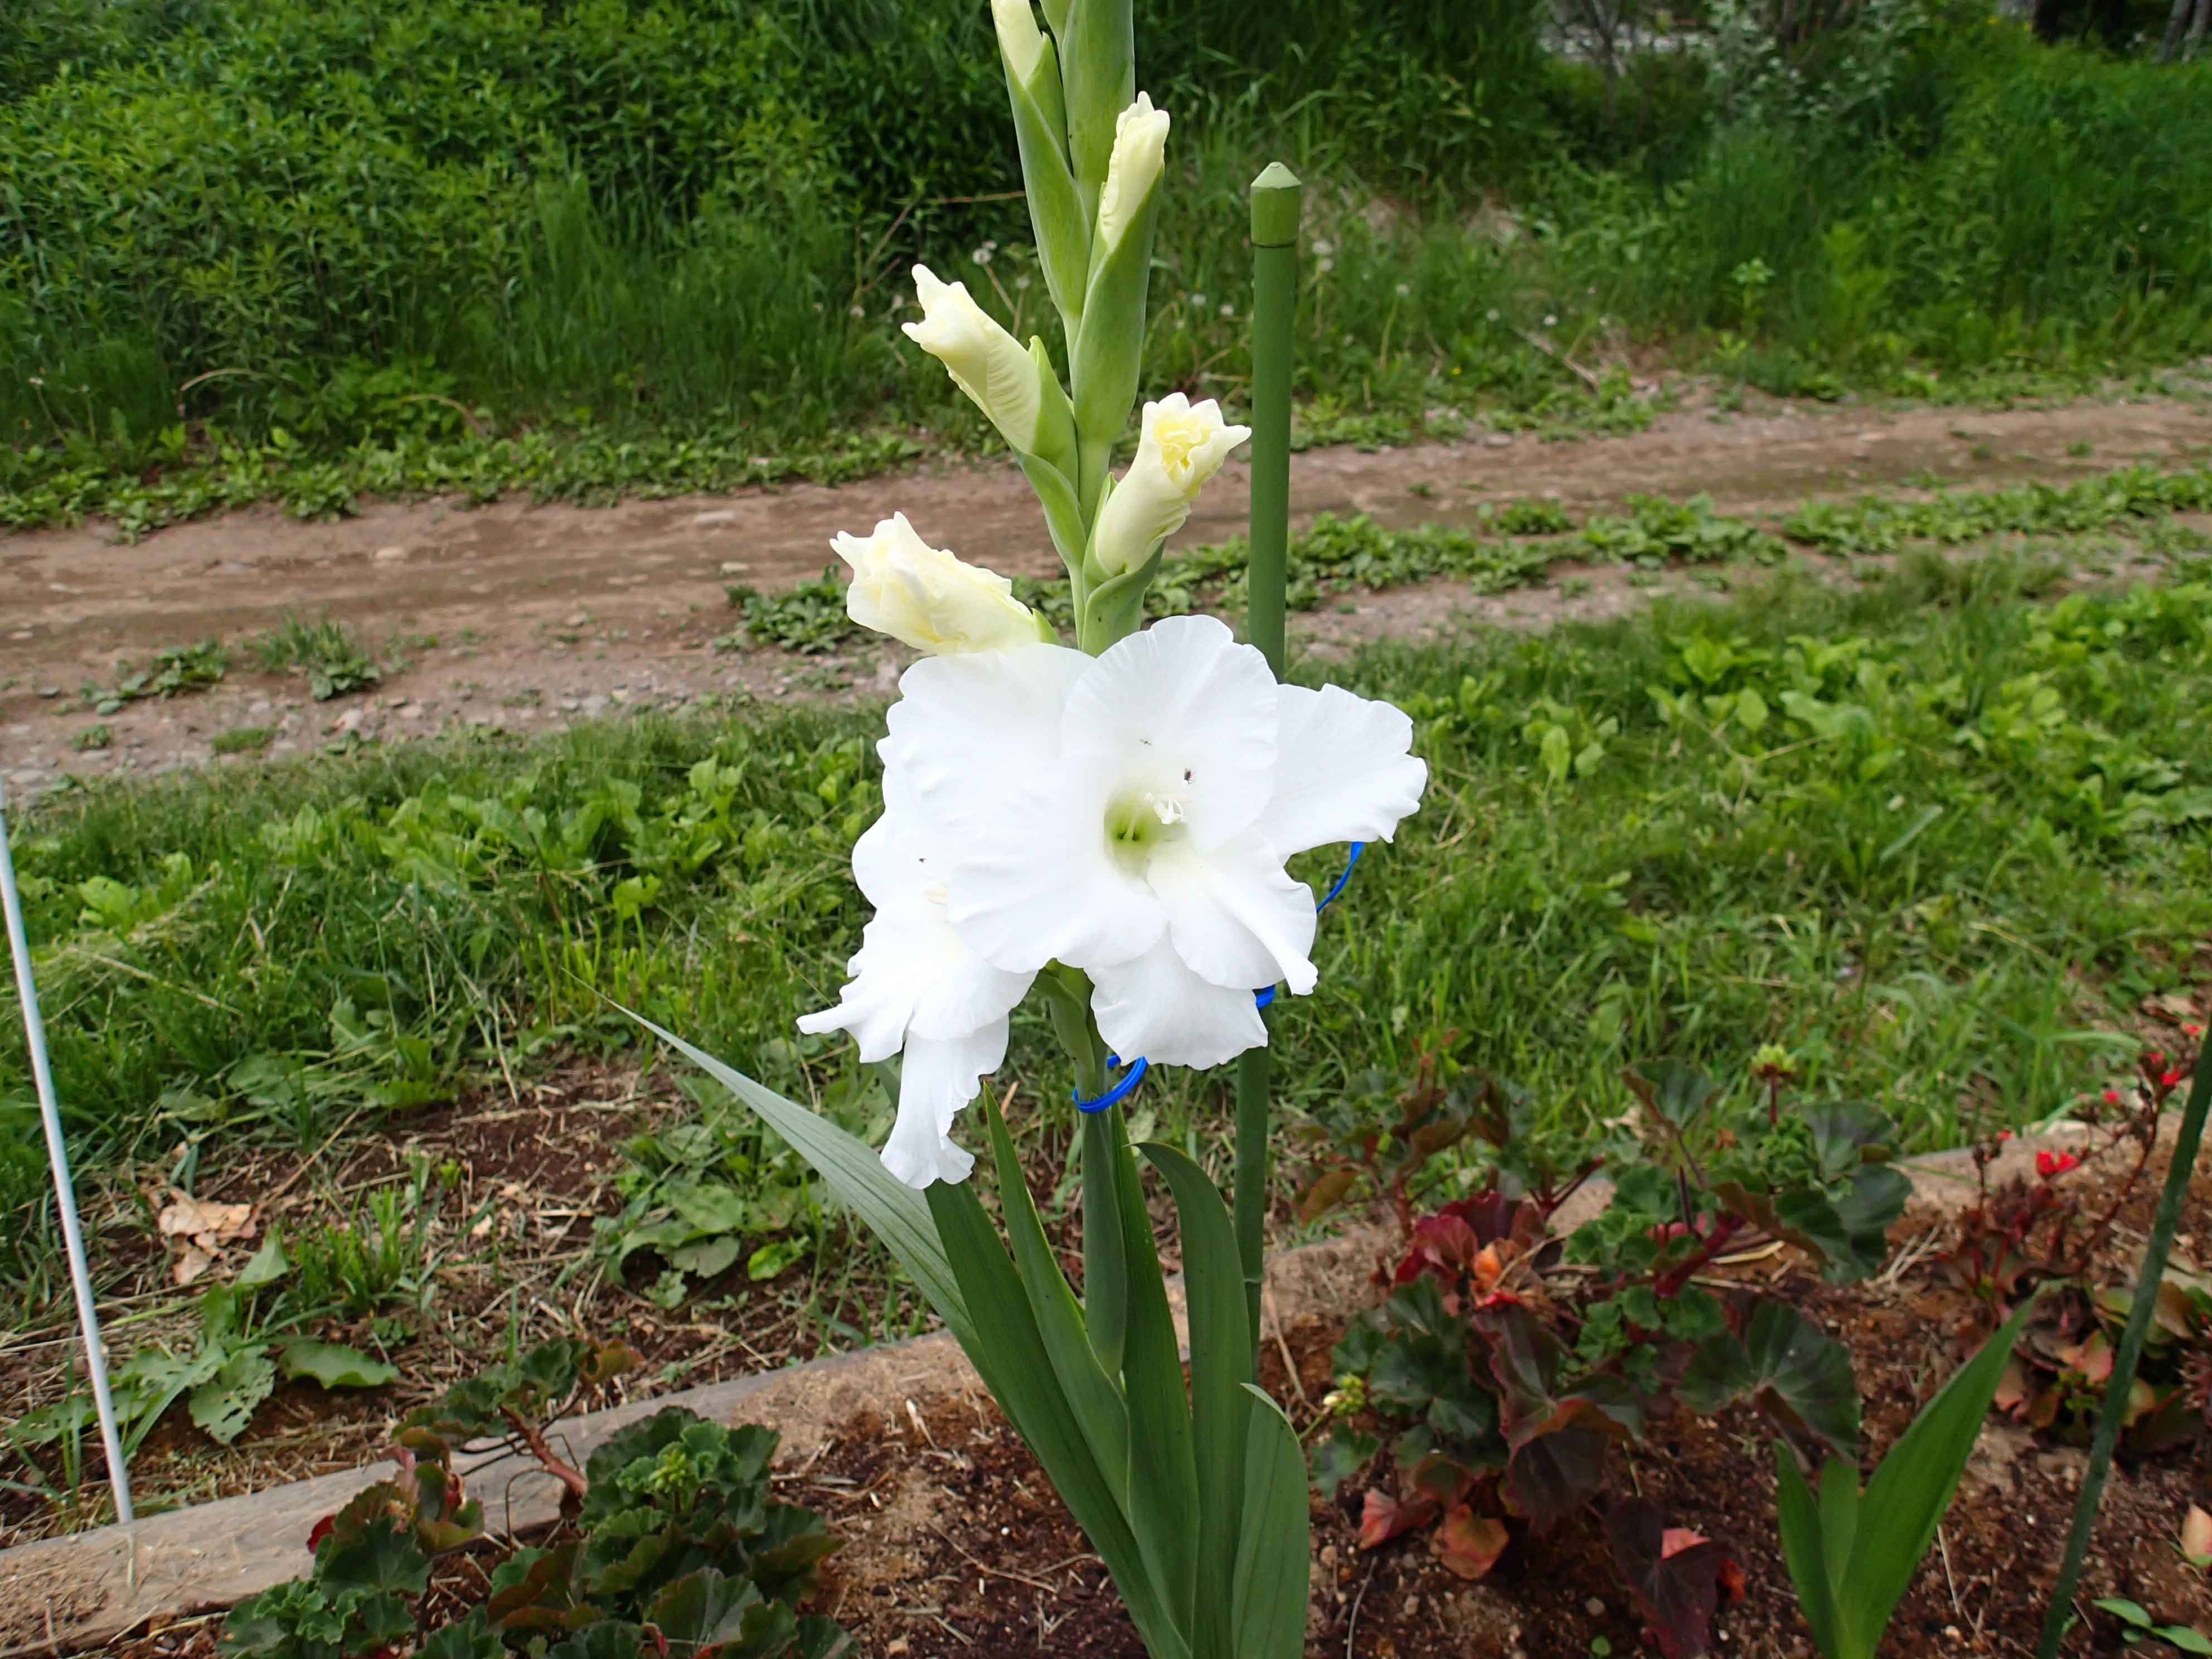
[
  {"x": 1277, "y": 198},
  {"x": 2060, "y": 1613}
]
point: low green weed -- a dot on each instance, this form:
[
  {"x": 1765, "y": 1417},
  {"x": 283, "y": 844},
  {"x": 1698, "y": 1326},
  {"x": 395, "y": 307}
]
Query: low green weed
[
  {"x": 243, "y": 739},
  {"x": 382, "y": 1255},
  {"x": 807, "y": 618},
  {"x": 325, "y": 652},
  {"x": 174, "y": 670},
  {"x": 250, "y": 1334},
  {"x": 2138, "y": 494},
  {"x": 1656, "y": 530}
]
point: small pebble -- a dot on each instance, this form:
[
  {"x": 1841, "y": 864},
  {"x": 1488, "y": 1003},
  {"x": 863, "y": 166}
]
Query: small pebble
[{"x": 1595, "y": 1607}]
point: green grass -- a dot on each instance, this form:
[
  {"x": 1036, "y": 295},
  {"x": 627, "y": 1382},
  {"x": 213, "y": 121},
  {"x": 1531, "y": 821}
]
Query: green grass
[
  {"x": 700, "y": 288},
  {"x": 242, "y": 739},
  {"x": 1938, "y": 837}
]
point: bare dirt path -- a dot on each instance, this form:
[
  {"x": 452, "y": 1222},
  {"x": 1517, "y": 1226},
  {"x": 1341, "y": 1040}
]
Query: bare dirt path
[{"x": 522, "y": 618}]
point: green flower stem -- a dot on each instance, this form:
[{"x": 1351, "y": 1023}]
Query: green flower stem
[
  {"x": 2060, "y": 1613},
  {"x": 1277, "y": 196}
]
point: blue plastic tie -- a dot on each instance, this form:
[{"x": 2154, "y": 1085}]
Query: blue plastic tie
[
  {"x": 1358, "y": 847},
  {"x": 1260, "y": 998},
  {"x": 1120, "y": 1093}
]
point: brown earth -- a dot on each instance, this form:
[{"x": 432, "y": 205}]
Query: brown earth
[
  {"x": 955, "y": 1543},
  {"x": 523, "y": 617}
]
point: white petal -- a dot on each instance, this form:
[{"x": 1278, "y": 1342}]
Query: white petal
[
  {"x": 1035, "y": 881},
  {"x": 968, "y": 731},
  {"x": 912, "y": 972},
  {"x": 887, "y": 861},
  {"x": 900, "y": 961},
  {"x": 1347, "y": 772},
  {"x": 1180, "y": 708},
  {"x": 972, "y": 995},
  {"x": 937, "y": 1079},
  {"x": 1233, "y": 917},
  {"x": 1157, "y": 1007}
]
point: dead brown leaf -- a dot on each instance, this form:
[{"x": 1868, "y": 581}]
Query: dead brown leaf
[
  {"x": 200, "y": 1229},
  {"x": 190, "y": 1265}
]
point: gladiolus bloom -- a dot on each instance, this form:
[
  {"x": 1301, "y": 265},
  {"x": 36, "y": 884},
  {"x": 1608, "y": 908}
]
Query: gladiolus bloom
[
  {"x": 924, "y": 597},
  {"x": 1127, "y": 815},
  {"x": 990, "y": 365},
  {"x": 1181, "y": 445}
]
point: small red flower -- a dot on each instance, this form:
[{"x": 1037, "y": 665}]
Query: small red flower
[
  {"x": 2169, "y": 1079},
  {"x": 2192, "y": 1030},
  {"x": 2155, "y": 1057},
  {"x": 2111, "y": 1096},
  {"x": 2048, "y": 1164},
  {"x": 2003, "y": 1135}
]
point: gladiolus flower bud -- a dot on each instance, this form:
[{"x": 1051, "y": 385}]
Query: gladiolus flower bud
[
  {"x": 1018, "y": 37},
  {"x": 988, "y": 363},
  {"x": 1181, "y": 447},
  {"x": 927, "y": 599},
  {"x": 1141, "y": 139}
]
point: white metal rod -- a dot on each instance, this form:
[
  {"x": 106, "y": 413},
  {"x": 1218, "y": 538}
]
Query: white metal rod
[{"x": 35, "y": 1036}]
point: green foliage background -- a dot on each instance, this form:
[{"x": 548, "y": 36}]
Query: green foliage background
[{"x": 366, "y": 223}]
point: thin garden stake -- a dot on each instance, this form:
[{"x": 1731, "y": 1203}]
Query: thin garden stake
[
  {"x": 1277, "y": 198},
  {"x": 2122, "y": 1382},
  {"x": 35, "y": 1038}
]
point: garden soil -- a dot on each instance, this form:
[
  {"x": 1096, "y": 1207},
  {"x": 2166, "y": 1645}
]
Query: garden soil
[
  {"x": 523, "y": 619},
  {"x": 955, "y": 1544}
]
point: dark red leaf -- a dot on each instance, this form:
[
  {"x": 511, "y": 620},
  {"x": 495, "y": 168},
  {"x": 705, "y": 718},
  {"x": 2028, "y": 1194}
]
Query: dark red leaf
[
  {"x": 1383, "y": 1517},
  {"x": 1675, "y": 1575},
  {"x": 1559, "y": 1465},
  {"x": 1326, "y": 1194},
  {"x": 1443, "y": 1245},
  {"x": 1443, "y": 1477},
  {"x": 1466, "y": 1544}
]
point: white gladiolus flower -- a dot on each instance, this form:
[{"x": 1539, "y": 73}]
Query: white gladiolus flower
[
  {"x": 1181, "y": 445},
  {"x": 1141, "y": 139},
  {"x": 924, "y": 597},
  {"x": 988, "y": 363},
  {"x": 1127, "y": 815},
  {"x": 916, "y": 987},
  {"x": 1018, "y": 37}
]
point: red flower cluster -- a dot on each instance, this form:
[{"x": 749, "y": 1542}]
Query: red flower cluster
[{"x": 2048, "y": 1164}]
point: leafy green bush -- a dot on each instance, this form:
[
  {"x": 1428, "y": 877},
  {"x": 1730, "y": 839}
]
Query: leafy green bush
[{"x": 677, "y": 1547}]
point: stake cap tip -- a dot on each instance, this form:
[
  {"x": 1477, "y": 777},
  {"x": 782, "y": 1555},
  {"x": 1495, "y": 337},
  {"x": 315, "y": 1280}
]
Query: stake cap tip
[{"x": 1277, "y": 197}]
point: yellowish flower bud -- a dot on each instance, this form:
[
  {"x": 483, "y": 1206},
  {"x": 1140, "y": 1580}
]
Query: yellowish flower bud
[
  {"x": 1141, "y": 139},
  {"x": 927, "y": 599},
  {"x": 988, "y": 363},
  {"x": 1018, "y": 38},
  {"x": 1181, "y": 447}
]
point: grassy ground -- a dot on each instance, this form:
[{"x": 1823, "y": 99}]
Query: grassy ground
[{"x": 1942, "y": 835}]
